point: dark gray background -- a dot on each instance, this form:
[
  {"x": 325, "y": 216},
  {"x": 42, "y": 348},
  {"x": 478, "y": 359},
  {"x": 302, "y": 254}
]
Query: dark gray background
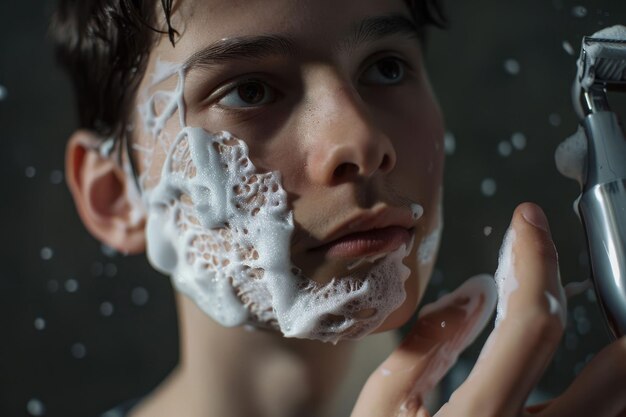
[{"x": 84, "y": 360}]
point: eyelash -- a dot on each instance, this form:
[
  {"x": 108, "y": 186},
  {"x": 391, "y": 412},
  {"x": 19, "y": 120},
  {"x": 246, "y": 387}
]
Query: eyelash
[{"x": 228, "y": 89}]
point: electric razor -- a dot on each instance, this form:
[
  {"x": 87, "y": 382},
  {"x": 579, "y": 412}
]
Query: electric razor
[{"x": 602, "y": 204}]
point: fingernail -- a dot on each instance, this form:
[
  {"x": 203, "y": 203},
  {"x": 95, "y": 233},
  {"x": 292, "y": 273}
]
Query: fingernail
[{"x": 535, "y": 216}]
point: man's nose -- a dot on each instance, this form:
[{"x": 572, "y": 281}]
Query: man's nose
[{"x": 345, "y": 142}]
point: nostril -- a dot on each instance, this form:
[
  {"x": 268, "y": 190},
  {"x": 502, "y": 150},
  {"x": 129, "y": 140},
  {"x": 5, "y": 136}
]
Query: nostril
[
  {"x": 345, "y": 170},
  {"x": 386, "y": 163}
]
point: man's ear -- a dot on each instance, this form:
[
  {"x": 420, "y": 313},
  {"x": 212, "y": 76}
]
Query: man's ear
[{"x": 99, "y": 187}]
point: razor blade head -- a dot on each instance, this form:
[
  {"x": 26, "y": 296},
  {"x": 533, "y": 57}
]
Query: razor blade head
[{"x": 603, "y": 61}]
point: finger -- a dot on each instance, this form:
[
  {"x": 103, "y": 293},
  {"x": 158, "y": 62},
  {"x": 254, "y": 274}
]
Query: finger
[
  {"x": 529, "y": 322},
  {"x": 443, "y": 330},
  {"x": 600, "y": 389}
]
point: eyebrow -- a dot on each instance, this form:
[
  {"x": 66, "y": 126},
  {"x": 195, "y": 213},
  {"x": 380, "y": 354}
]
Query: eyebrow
[
  {"x": 256, "y": 47},
  {"x": 245, "y": 47},
  {"x": 379, "y": 27}
]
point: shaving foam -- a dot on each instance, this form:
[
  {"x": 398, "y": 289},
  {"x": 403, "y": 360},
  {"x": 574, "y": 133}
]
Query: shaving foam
[
  {"x": 505, "y": 275},
  {"x": 430, "y": 243},
  {"x": 222, "y": 229},
  {"x": 480, "y": 295},
  {"x": 571, "y": 156}
]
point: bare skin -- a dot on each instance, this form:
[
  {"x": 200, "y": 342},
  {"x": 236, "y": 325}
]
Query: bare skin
[{"x": 351, "y": 123}]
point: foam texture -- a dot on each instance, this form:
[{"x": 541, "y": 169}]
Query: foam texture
[{"x": 222, "y": 230}]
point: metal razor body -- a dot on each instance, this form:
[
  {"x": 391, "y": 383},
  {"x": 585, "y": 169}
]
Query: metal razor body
[
  {"x": 602, "y": 209},
  {"x": 602, "y": 204}
]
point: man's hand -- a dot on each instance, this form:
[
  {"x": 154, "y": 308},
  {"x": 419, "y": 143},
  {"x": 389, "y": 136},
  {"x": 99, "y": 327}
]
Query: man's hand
[{"x": 532, "y": 313}]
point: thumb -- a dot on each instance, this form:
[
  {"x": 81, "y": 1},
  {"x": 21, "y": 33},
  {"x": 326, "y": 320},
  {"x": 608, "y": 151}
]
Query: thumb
[{"x": 443, "y": 330}]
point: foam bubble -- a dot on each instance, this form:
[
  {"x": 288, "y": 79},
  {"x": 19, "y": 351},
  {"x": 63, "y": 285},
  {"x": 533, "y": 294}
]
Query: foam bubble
[
  {"x": 106, "y": 309},
  {"x": 35, "y": 407},
  {"x": 39, "y": 323},
  {"x": 487, "y": 230},
  {"x": 78, "y": 350},
  {"x": 518, "y": 139},
  {"x": 56, "y": 177},
  {"x": 449, "y": 143},
  {"x": 46, "y": 253},
  {"x": 140, "y": 296},
  {"x": 579, "y": 11},
  {"x": 504, "y": 148},
  {"x": 71, "y": 285},
  {"x": 567, "y": 47},
  {"x": 488, "y": 187},
  {"x": 512, "y": 66},
  {"x": 554, "y": 119}
]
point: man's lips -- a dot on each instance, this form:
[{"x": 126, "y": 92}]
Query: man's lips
[{"x": 366, "y": 243}]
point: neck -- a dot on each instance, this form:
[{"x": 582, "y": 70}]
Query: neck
[{"x": 243, "y": 372}]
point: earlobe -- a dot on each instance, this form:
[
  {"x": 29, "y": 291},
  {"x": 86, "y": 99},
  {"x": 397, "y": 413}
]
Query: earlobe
[{"x": 99, "y": 187}]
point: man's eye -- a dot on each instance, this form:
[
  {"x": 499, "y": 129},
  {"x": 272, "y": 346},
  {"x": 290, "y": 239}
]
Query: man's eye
[
  {"x": 250, "y": 93},
  {"x": 386, "y": 71}
]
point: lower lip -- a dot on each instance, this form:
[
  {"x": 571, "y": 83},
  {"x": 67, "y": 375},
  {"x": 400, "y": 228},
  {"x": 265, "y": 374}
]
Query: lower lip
[{"x": 371, "y": 242}]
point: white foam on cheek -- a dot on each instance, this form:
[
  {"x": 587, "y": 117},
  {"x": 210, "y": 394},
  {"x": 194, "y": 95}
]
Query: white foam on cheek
[
  {"x": 505, "y": 275},
  {"x": 222, "y": 230},
  {"x": 430, "y": 243}
]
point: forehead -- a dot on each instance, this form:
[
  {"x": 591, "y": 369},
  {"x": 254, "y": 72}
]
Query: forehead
[{"x": 308, "y": 23}]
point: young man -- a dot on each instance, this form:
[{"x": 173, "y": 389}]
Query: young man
[{"x": 315, "y": 214}]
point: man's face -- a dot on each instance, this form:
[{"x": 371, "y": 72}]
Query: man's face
[{"x": 333, "y": 96}]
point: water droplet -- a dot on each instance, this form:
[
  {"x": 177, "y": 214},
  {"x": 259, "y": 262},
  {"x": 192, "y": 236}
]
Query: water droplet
[
  {"x": 555, "y": 119},
  {"x": 106, "y": 309},
  {"x": 487, "y": 230},
  {"x": 3, "y": 92},
  {"x": 578, "y": 368},
  {"x": 568, "y": 48},
  {"x": 46, "y": 253},
  {"x": 436, "y": 277},
  {"x": 56, "y": 177},
  {"x": 580, "y": 312},
  {"x": 442, "y": 293},
  {"x": 35, "y": 407},
  {"x": 78, "y": 350},
  {"x": 108, "y": 251},
  {"x": 443, "y": 324},
  {"x": 53, "y": 285},
  {"x": 71, "y": 285},
  {"x": 110, "y": 270},
  {"x": 512, "y": 67},
  {"x": 579, "y": 11},
  {"x": 583, "y": 326},
  {"x": 30, "y": 172},
  {"x": 39, "y": 323},
  {"x": 97, "y": 269},
  {"x": 571, "y": 341},
  {"x": 488, "y": 187},
  {"x": 449, "y": 143},
  {"x": 139, "y": 296},
  {"x": 504, "y": 148},
  {"x": 518, "y": 140}
]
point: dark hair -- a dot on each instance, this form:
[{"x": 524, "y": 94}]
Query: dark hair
[{"x": 104, "y": 46}]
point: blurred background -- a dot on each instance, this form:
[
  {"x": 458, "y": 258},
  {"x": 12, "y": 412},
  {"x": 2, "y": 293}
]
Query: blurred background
[{"x": 84, "y": 328}]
